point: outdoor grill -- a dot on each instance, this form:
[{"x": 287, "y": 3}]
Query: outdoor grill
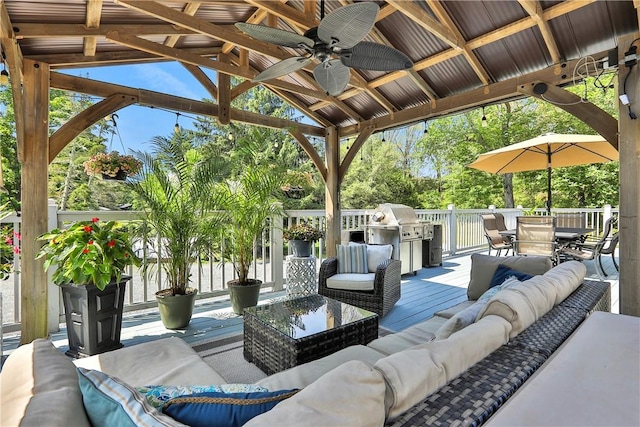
[{"x": 399, "y": 226}]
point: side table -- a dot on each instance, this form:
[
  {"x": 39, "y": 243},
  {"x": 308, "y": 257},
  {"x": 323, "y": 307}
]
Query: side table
[{"x": 301, "y": 276}]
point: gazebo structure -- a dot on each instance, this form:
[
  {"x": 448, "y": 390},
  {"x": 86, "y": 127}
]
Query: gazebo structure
[{"x": 465, "y": 55}]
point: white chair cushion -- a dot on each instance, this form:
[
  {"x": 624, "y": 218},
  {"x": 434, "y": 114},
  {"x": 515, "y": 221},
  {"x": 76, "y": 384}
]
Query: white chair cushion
[
  {"x": 351, "y": 281},
  {"x": 377, "y": 254}
]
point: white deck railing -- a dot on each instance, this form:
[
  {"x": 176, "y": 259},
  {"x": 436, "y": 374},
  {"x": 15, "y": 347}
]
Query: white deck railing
[{"x": 461, "y": 228}]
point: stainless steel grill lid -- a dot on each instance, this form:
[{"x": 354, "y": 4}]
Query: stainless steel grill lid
[{"x": 394, "y": 214}]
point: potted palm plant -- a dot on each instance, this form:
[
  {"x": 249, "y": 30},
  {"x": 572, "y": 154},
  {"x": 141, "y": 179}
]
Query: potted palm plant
[
  {"x": 91, "y": 257},
  {"x": 301, "y": 237},
  {"x": 247, "y": 202},
  {"x": 176, "y": 191}
]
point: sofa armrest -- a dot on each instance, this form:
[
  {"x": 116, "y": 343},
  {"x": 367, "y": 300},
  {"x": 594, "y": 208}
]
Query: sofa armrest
[{"x": 328, "y": 268}]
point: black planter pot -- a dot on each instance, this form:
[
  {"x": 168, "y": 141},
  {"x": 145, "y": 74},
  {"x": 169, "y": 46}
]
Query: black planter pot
[
  {"x": 244, "y": 296},
  {"x": 94, "y": 317},
  {"x": 301, "y": 248},
  {"x": 176, "y": 310},
  {"x": 120, "y": 176}
]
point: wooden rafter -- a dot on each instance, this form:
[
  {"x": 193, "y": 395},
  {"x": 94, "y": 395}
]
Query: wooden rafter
[
  {"x": 172, "y": 102},
  {"x": 189, "y": 9},
  {"x": 204, "y": 80},
  {"x": 534, "y": 9},
  {"x": 92, "y": 20}
]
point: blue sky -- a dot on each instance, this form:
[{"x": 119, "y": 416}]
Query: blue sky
[{"x": 137, "y": 124}]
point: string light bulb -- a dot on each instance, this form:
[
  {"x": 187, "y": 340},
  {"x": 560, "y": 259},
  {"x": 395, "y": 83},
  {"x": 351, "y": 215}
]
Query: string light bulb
[
  {"x": 230, "y": 136},
  {"x": 383, "y": 139},
  {"x": 4, "y": 77},
  {"x": 176, "y": 127},
  {"x": 425, "y": 128},
  {"x": 485, "y": 123}
]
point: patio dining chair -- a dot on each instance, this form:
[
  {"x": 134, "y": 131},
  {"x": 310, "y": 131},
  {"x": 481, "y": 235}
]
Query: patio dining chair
[
  {"x": 571, "y": 220},
  {"x": 535, "y": 235},
  {"x": 593, "y": 250},
  {"x": 492, "y": 233}
]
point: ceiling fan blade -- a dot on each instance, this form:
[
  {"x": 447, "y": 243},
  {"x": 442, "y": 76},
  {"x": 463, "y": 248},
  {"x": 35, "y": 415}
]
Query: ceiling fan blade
[
  {"x": 275, "y": 35},
  {"x": 375, "y": 56},
  {"x": 282, "y": 68},
  {"x": 346, "y": 26},
  {"x": 332, "y": 76}
]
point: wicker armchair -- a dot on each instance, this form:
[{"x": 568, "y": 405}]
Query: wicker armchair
[{"x": 380, "y": 300}]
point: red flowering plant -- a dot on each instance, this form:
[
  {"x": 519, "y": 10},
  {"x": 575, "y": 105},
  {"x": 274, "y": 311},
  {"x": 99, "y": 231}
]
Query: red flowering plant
[
  {"x": 9, "y": 247},
  {"x": 88, "y": 252}
]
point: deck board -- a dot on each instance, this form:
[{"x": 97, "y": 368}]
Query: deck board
[{"x": 431, "y": 290}]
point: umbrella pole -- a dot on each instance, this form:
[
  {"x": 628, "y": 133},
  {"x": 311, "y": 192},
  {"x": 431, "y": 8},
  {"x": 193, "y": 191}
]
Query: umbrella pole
[{"x": 549, "y": 179}]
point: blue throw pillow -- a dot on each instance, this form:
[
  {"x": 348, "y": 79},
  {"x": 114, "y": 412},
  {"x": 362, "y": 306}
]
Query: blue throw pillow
[
  {"x": 110, "y": 402},
  {"x": 158, "y": 395},
  {"x": 224, "y": 409},
  {"x": 503, "y": 273}
]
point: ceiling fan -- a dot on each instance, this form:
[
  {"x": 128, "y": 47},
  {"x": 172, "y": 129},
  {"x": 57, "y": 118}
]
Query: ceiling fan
[{"x": 336, "y": 43}]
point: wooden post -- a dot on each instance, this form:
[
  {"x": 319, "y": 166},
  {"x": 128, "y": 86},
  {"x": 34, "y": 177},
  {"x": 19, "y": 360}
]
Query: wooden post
[
  {"x": 332, "y": 191},
  {"x": 629, "y": 221},
  {"x": 224, "y": 93},
  {"x": 35, "y": 162}
]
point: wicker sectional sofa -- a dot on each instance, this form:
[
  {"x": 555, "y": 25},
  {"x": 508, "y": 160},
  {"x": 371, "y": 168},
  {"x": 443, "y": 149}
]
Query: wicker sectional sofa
[{"x": 403, "y": 379}]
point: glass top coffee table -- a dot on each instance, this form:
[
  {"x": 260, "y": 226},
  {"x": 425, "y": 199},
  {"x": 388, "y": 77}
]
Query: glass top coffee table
[{"x": 287, "y": 333}]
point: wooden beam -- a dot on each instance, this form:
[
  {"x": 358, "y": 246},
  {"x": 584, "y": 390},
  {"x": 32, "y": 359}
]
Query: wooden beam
[
  {"x": 172, "y": 102},
  {"x": 472, "y": 59},
  {"x": 76, "y": 125},
  {"x": 287, "y": 13},
  {"x": 224, "y": 93},
  {"x": 75, "y": 60},
  {"x": 29, "y": 30},
  {"x": 332, "y": 191},
  {"x": 500, "y": 91},
  {"x": 92, "y": 20},
  {"x": 422, "y": 18},
  {"x": 592, "y": 115},
  {"x": 629, "y": 216},
  {"x": 34, "y": 288},
  {"x": 351, "y": 154},
  {"x": 189, "y": 9},
  {"x": 189, "y": 58},
  {"x": 534, "y": 9},
  {"x": 242, "y": 88},
  {"x": 204, "y": 80},
  {"x": 15, "y": 63},
  {"x": 311, "y": 152}
]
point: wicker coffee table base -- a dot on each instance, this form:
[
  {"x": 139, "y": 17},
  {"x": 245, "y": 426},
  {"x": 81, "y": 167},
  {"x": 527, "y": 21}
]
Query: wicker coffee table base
[{"x": 272, "y": 351}]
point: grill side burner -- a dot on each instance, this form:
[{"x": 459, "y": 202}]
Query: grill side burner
[{"x": 399, "y": 226}]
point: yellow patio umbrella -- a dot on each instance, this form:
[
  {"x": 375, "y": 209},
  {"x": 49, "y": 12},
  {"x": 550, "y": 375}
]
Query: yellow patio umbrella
[{"x": 545, "y": 152}]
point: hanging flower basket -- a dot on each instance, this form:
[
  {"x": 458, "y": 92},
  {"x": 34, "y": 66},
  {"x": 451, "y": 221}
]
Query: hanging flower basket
[{"x": 113, "y": 165}]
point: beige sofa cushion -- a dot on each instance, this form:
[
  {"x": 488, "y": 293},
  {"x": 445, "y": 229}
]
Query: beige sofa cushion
[
  {"x": 399, "y": 341},
  {"x": 448, "y": 313},
  {"x": 168, "y": 361},
  {"x": 39, "y": 387},
  {"x": 483, "y": 268},
  {"x": 460, "y": 320},
  {"x": 539, "y": 292},
  {"x": 350, "y": 395},
  {"x": 512, "y": 306},
  {"x": 415, "y": 373},
  {"x": 351, "y": 281},
  {"x": 566, "y": 278},
  {"x": 302, "y": 375}
]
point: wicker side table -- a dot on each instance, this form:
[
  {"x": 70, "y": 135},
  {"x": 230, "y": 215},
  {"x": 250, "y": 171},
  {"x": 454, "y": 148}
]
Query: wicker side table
[{"x": 301, "y": 276}]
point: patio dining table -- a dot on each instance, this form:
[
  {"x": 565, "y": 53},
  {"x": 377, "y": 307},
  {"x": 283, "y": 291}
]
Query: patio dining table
[{"x": 563, "y": 234}]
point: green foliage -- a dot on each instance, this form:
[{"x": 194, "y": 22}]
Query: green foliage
[
  {"x": 247, "y": 201},
  {"x": 176, "y": 191},
  {"x": 88, "y": 252}
]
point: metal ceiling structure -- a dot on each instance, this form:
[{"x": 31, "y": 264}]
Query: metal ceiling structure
[{"x": 466, "y": 54}]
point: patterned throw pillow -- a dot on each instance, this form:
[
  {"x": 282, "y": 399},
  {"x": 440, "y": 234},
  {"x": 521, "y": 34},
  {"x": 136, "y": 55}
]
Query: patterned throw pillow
[
  {"x": 158, "y": 395},
  {"x": 223, "y": 409},
  {"x": 110, "y": 402},
  {"x": 352, "y": 258}
]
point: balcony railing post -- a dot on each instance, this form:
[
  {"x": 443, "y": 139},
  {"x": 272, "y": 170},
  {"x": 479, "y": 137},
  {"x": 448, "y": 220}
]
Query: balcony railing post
[
  {"x": 452, "y": 229},
  {"x": 53, "y": 317},
  {"x": 277, "y": 253}
]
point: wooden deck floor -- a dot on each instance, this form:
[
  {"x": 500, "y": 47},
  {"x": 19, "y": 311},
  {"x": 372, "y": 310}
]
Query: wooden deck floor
[{"x": 431, "y": 290}]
